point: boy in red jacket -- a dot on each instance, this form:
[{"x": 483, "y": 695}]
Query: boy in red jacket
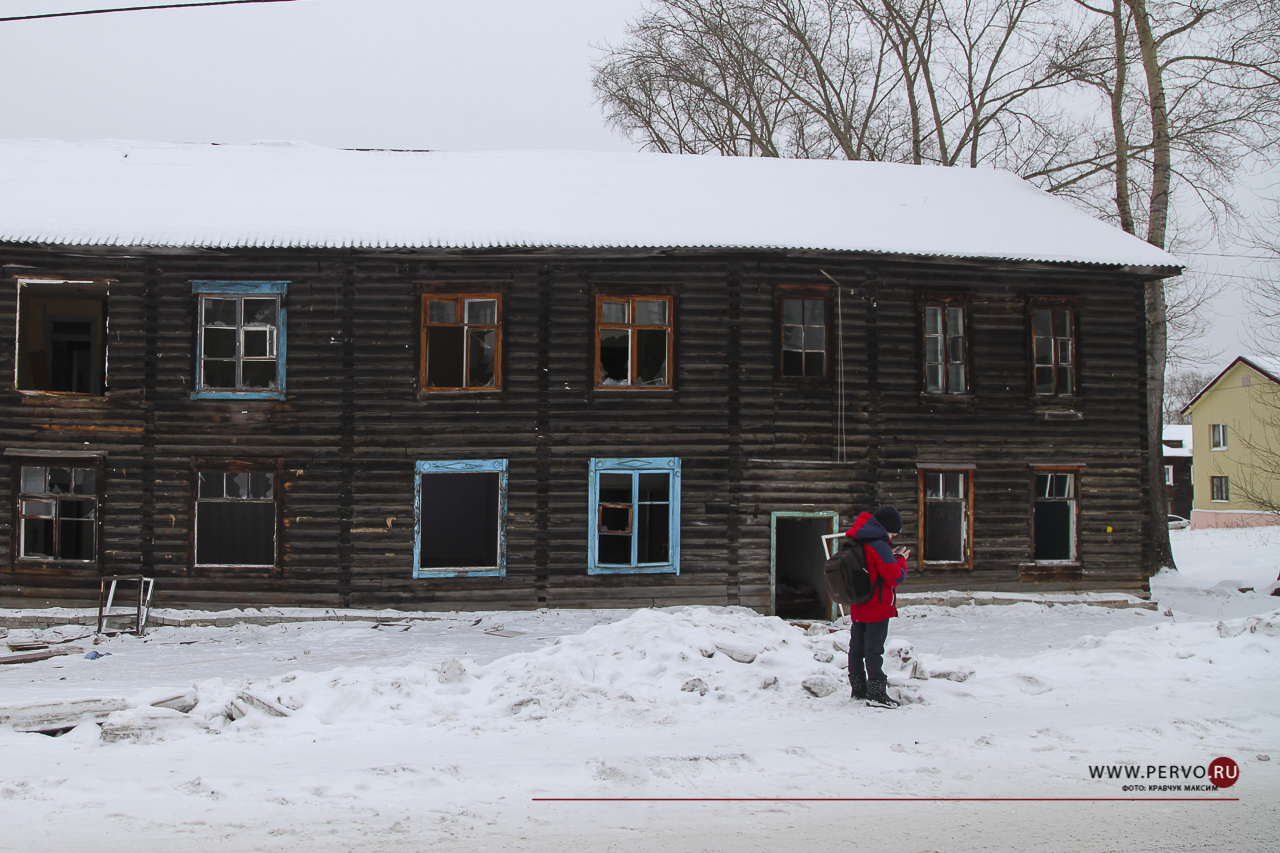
[{"x": 887, "y": 567}]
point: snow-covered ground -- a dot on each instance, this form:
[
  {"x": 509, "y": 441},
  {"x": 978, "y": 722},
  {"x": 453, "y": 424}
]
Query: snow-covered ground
[{"x": 441, "y": 734}]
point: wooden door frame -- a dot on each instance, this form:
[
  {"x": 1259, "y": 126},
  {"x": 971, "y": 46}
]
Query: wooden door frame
[{"x": 773, "y": 551}]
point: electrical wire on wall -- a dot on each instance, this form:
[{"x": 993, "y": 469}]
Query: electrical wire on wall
[{"x": 842, "y": 453}]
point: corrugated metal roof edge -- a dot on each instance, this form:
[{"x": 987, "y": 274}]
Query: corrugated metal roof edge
[{"x": 1163, "y": 271}]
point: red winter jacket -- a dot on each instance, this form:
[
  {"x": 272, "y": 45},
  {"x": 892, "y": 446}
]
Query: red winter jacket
[{"x": 882, "y": 564}]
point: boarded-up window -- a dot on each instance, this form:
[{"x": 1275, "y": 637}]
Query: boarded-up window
[
  {"x": 461, "y": 342},
  {"x": 633, "y": 343},
  {"x": 235, "y": 518},
  {"x": 461, "y": 512},
  {"x": 58, "y": 512},
  {"x": 1055, "y": 516},
  {"x": 945, "y": 521}
]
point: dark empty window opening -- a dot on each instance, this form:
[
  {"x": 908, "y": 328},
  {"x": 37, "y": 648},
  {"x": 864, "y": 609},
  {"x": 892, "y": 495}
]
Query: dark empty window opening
[
  {"x": 1055, "y": 516},
  {"x": 633, "y": 342},
  {"x": 804, "y": 337},
  {"x": 58, "y": 512},
  {"x": 945, "y": 524},
  {"x": 62, "y": 333},
  {"x": 461, "y": 518},
  {"x": 945, "y": 358},
  {"x": 461, "y": 342},
  {"x": 235, "y": 517},
  {"x": 1054, "y": 344}
]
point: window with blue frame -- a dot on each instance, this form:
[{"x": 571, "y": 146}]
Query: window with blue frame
[
  {"x": 460, "y": 510},
  {"x": 634, "y": 516},
  {"x": 241, "y": 339}
]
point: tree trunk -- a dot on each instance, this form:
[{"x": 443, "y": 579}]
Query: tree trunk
[{"x": 1160, "y": 552}]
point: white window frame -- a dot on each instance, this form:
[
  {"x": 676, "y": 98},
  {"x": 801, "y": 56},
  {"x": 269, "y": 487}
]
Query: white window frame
[
  {"x": 1217, "y": 436},
  {"x": 1073, "y": 499}
]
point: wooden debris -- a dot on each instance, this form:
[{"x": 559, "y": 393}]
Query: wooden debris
[
  {"x": 44, "y": 654},
  {"x": 52, "y": 716},
  {"x": 181, "y": 702},
  {"x": 505, "y": 633},
  {"x": 264, "y": 705}
]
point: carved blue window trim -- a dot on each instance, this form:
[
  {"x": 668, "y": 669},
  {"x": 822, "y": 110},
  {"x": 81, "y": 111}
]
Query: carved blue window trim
[
  {"x": 232, "y": 288},
  {"x": 633, "y": 465},
  {"x": 456, "y": 467}
]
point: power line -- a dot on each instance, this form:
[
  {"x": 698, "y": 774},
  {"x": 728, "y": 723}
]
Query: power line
[{"x": 138, "y": 9}]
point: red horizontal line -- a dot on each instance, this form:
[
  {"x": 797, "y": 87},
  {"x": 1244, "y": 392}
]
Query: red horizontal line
[{"x": 883, "y": 799}]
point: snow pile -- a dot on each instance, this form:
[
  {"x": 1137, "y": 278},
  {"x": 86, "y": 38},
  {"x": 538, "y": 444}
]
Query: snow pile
[
  {"x": 661, "y": 667},
  {"x": 651, "y": 664}
]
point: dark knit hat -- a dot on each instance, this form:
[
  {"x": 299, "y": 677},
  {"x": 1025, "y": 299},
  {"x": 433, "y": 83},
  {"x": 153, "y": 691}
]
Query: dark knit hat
[{"x": 889, "y": 518}]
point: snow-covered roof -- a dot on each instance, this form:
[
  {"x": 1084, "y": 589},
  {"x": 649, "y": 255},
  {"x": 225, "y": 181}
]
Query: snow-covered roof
[
  {"x": 281, "y": 194},
  {"x": 1177, "y": 432}
]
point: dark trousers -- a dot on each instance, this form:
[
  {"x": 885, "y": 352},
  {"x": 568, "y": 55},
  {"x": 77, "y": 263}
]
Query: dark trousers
[{"x": 866, "y": 649}]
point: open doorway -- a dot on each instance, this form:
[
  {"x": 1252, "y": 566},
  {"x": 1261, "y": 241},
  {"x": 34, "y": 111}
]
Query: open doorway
[
  {"x": 62, "y": 336},
  {"x": 796, "y": 562}
]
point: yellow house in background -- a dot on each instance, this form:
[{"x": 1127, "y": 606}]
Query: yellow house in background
[{"x": 1236, "y": 447}]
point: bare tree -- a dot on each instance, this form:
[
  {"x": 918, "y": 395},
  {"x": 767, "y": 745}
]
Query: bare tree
[
  {"x": 1180, "y": 389},
  {"x": 1188, "y": 91},
  {"x": 922, "y": 81}
]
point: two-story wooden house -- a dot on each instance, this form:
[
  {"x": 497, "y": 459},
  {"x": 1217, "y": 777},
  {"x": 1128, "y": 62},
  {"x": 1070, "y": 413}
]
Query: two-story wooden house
[{"x": 274, "y": 374}]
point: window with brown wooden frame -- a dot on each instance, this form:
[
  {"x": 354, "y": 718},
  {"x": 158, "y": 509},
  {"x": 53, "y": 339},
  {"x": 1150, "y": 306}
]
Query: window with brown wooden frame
[
  {"x": 461, "y": 342},
  {"x": 633, "y": 342},
  {"x": 804, "y": 336},
  {"x": 946, "y": 348},
  {"x": 946, "y": 517},
  {"x": 1053, "y": 345}
]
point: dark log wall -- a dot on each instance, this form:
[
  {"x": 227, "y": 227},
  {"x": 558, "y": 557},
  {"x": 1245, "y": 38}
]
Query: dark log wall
[{"x": 750, "y": 444}]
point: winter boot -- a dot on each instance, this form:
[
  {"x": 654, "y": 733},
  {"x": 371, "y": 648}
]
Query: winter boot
[
  {"x": 878, "y": 695},
  {"x": 858, "y": 681}
]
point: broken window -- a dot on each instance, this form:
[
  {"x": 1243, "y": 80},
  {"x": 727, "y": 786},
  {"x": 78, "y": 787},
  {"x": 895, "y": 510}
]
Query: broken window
[
  {"x": 1220, "y": 489},
  {"x": 1217, "y": 436},
  {"x": 635, "y": 515},
  {"x": 62, "y": 334},
  {"x": 1054, "y": 344},
  {"x": 944, "y": 533},
  {"x": 1055, "y": 516},
  {"x": 240, "y": 348},
  {"x": 461, "y": 339},
  {"x": 58, "y": 513},
  {"x": 461, "y": 519},
  {"x": 633, "y": 343},
  {"x": 945, "y": 356},
  {"x": 236, "y": 517},
  {"x": 804, "y": 337}
]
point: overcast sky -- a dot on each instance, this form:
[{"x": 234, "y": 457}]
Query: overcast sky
[
  {"x": 457, "y": 75},
  {"x": 440, "y": 74}
]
